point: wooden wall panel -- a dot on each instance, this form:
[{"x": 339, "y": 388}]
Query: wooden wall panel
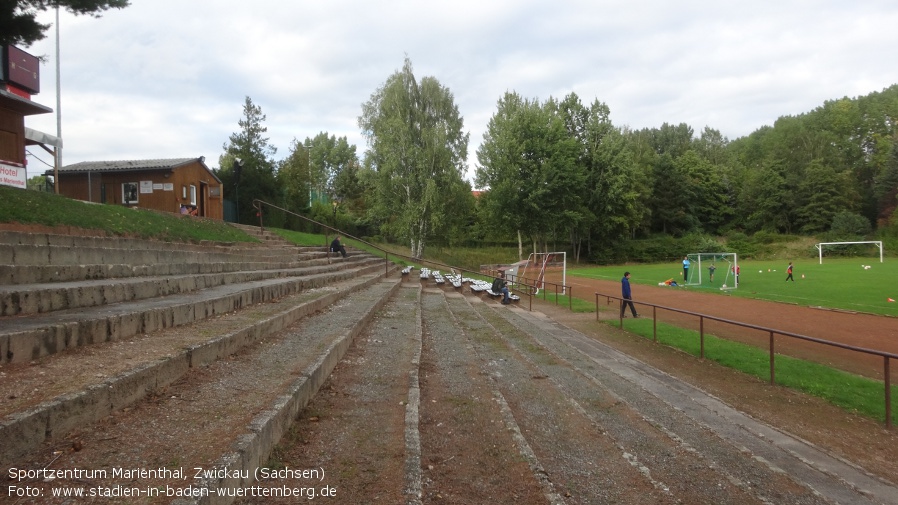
[{"x": 76, "y": 186}]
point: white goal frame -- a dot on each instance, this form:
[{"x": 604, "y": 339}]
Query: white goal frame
[
  {"x": 539, "y": 261},
  {"x": 732, "y": 264},
  {"x": 819, "y": 247}
]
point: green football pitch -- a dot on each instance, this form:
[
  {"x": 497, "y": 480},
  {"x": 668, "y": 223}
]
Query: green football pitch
[{"x": 837, "y": 283}]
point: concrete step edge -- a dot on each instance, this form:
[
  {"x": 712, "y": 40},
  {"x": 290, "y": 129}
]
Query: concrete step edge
[
  {"x": 252, "y": 449},
  {"x": 27, "y": 430},
  {"x": 31, "y": 344},
  {"x": 27, "y": 299}
]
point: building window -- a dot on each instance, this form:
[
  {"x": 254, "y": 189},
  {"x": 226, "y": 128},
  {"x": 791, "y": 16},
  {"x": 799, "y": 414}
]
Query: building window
[
  {"x": 192, "y": 194},
  {"x": 129, "y": 193}
]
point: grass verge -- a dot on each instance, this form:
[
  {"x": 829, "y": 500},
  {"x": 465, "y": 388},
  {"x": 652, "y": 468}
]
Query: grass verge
[
  {"x": 852, "y": 392},
  {"x": 48, "y": 209}
]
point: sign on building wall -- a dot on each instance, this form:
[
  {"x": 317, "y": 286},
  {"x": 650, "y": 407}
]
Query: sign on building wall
[
  {"x": 11, "y": 175},
  {"x": 146, "y": 187}
]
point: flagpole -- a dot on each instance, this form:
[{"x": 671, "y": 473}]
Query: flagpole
[{"x": 58, "y": 149}]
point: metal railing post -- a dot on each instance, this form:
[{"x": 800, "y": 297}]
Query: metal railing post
[
  {"x": 888, "y": 386},
  {"x": 887, "y": 356},
  {"x": 701, "y": 336}
]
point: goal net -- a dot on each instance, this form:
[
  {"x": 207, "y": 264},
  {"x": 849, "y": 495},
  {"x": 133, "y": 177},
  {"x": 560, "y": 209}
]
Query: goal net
[
  {"x": 532, "y": 273},
  {"x": 718, "y": 270}
]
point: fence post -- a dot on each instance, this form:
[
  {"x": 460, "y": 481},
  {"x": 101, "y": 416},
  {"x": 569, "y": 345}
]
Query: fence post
[
  {"x": 772, "y": 368},
  {"x": 597, "y": 307},
  {"x": 888, "y": 382},
  {"x": 621, "y": 312},
  {"x": 655, "y": 324},
  {"x": 701, "y": 336},
  {"x": 570, "y": 301}
]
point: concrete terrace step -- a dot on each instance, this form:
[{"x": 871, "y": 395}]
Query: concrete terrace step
[
  {"x": 592, "y": 424},
  {"x": 23, "y": 299},
  {"x": 64, "y": 255},
  {"x": 113, "y": 375},
  {"x": 664, "y": 425},
  {"x": 227, "y": 415},
  {"x": 365, "y": 414},
  {"x": 34, "y": 258},
  {"x": 37, "y": 274},
  {"x": 31, "y": 337}
]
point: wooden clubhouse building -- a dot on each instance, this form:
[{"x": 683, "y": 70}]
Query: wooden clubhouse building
[{"x": 179, "y": 185}]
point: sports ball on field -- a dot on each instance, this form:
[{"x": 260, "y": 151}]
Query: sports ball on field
[{"x": 724, "y": 285}]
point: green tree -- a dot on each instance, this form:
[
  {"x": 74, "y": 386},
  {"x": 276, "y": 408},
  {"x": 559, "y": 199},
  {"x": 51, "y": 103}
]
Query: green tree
[
  {"x": 530, "y": 163},
  {"x": 329, "y": 156},
  {"x": 418, "y": 148},
  {"x": 18, "y": 18},
  {"x": 294, "y": 177},
  {"x": 849, "y": 226},
  {"x": 766, "y": 201},
  {"x": 254, "y": 176},
  {"x": 822, "y": 194},
  {"x": 674, "y": 197},
  {"x": 610, "y": 192},
  {"x": 711, "y": 202}
]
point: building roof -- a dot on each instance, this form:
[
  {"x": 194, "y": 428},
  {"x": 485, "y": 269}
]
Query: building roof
[
  {"x": 126, "y": 165},
  {"x": 132, "y": 166},
  {"x": 21, "y": 105}
]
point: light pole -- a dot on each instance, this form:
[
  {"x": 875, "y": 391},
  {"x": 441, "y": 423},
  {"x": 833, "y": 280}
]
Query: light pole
[
  {"x": 309, "y": 158},
  {"x": 335, "y": 203},
  {"x": 238, "y": 168},
  {"x": 57, "y": 153}
]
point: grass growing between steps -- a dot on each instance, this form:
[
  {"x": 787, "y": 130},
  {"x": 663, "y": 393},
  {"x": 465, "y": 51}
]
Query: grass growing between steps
[
  {"x": 852, "y": 392},
  {"x": 48, "y": 209}
]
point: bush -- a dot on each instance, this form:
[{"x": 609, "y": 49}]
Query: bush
[{"x": 848, "y": 226}]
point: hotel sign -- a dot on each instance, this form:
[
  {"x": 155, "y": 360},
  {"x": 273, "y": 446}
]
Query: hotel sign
[{"x": 11, "y": 175}]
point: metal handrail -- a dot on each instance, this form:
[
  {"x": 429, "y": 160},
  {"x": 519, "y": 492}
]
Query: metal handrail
[
  {"x": 257, "y": 204},
  {"x": 887, "y": 356}
]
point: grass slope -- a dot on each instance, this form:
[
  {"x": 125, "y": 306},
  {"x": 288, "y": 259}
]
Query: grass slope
[{"x": 47, "y": 209}]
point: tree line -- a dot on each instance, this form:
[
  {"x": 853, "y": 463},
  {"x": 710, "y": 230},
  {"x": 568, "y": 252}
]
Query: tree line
[{"x": 558, "y": 173}]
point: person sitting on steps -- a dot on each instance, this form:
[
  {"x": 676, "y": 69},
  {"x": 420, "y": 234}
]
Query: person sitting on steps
[
  {"x": 336, "y": 246},
  {"x": 500, "y": 286}
]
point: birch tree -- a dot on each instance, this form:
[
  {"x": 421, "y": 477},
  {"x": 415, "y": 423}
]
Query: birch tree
[{"x": 417, "y": 146}]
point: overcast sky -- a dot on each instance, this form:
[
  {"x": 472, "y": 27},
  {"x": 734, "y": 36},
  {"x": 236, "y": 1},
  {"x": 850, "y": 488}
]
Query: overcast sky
[{"x": 168, "y": 78}]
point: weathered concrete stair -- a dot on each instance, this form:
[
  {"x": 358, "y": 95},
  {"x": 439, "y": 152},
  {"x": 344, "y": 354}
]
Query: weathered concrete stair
[{"x": 31, "y": 421}]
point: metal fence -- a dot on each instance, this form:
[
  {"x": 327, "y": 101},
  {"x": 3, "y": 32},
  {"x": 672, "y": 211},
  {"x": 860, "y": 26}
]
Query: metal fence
[{"x": 772, "y": 332}]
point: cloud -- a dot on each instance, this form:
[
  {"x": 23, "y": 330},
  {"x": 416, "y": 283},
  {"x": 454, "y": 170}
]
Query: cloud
[{"x": 166, "y": 78}]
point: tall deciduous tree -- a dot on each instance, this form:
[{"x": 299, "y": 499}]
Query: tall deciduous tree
[
  {"x": 610, "y": 191},
  {"x": 18, "y": 18},
  {"x": 529, "y": 162},
  {"x": 294, "y": 176},
  {"x": 418, "y": 147},
  {"x": 329, "y": 156}
]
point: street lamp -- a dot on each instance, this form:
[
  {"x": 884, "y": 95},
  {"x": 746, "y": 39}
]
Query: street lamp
[
  {"x": 309, "y": 158},
  {"x": 335, "y": 203},
  {"x": 238, "y": 167}
]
